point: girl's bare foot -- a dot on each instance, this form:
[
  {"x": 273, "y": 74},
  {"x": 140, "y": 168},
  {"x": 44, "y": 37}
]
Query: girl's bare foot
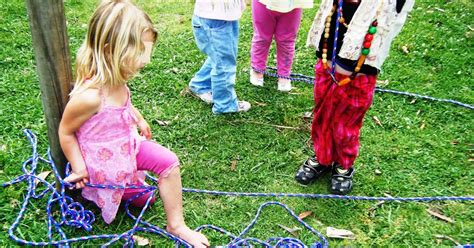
[{"x": 196, "y": 239}]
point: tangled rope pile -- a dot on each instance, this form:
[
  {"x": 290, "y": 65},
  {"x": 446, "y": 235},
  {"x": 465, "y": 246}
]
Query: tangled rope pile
[{"x": 73, "y": 214}]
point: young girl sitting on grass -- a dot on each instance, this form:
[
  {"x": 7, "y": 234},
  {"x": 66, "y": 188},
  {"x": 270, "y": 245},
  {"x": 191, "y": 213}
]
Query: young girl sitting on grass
[
  {"x": 279, "y": 19},
  {"x": 98, "y": 131},
  {"x": 345, "y": 78}
]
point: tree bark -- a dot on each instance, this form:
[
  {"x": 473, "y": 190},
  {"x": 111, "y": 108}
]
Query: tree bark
[{"x": 51, "y": 46}]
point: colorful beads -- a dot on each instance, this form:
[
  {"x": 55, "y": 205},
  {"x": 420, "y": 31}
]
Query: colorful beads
[
  {"x": 372, "y": 30},
  {"x": 344, "y": 81},
  {"x": 369, "y": 37},
  {"x": 327, "y": 29}
]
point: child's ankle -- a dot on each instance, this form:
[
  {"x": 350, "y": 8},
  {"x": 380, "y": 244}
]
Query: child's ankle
[
  {"x": 257, "y": 74},
  {"x": 175, "y": 228}
]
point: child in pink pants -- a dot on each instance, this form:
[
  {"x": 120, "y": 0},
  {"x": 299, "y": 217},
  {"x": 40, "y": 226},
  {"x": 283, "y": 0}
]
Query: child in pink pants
[{"x": 272, "y": 20}]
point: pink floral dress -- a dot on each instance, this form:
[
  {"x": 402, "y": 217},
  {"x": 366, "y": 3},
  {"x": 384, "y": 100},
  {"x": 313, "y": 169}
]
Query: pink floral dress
[{"x": 109, "y": 143}]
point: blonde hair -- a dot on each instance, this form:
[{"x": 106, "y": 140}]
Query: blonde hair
[{"x": 113, "y": 45}]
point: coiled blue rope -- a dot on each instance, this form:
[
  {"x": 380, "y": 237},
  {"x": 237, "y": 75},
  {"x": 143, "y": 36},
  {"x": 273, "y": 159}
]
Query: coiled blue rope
[
  {"x": 73, "y": 213},
  {"x": 296, "y": 77}
]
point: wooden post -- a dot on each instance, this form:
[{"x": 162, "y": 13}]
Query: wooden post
[{"x": 50, "y": 42}]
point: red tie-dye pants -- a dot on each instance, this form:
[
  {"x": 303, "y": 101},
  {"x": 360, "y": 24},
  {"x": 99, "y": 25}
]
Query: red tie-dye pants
[{"x": 338, "y": 115}]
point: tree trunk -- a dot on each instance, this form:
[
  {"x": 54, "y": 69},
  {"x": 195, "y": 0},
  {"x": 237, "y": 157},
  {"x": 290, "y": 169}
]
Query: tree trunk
[{"x": 50, "y": 42}]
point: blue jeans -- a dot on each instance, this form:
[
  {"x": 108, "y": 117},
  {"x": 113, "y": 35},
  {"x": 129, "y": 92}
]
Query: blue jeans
[{"x": 217, "y": 39}]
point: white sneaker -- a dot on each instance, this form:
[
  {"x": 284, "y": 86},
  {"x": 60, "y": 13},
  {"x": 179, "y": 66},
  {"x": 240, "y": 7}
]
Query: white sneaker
[
  {"x": 205, "y": 97},
  {"x": 254, "y": 79},
  {"x": 284, "y": 85},
  {"x": 243, "y": 106}
]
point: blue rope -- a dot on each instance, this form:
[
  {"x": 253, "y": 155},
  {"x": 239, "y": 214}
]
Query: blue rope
[
  {"x": 74, "y": 215},
  {"x": 296, "y": 77},
  {"x": 336, "y": 34}
]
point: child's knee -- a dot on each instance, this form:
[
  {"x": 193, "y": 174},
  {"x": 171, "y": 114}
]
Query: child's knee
[{"x": 172, "y": 159}]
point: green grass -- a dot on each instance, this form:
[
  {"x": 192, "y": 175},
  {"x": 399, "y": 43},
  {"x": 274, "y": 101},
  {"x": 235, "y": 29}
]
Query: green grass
[{"x": 415, "y": 161}]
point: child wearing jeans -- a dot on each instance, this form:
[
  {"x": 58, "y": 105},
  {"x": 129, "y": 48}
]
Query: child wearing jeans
[
  {"x": 216, "y": 31},
  {"x": 279, "y": 19},
  {"x": 345, "y": 78},
  {"x": 98, "y": 131}
]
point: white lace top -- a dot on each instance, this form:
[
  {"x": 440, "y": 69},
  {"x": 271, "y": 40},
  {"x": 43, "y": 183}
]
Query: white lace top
[
  {"x": 389, "y": 25},
  {"x": 228, "y": 10},
  {"x": 285, "y": 6}
]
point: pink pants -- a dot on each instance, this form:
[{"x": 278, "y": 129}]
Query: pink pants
[
  {"x": 338, "y": 115},
  {"x": 266, "y": 24},
  {"x": 155, "y": 158}
]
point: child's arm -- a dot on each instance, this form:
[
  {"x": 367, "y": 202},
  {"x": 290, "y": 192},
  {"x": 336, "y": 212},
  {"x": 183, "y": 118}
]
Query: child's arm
[
  {"x": 79, "y": 109},
  {"x": 142, "y": 124}
]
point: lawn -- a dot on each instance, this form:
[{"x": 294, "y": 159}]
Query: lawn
[{"x": 421, "y": 148}]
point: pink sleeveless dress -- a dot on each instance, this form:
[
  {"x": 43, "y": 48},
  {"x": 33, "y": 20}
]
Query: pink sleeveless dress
[{"x": 109, "y": 142}]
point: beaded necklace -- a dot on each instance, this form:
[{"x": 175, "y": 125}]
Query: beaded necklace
[{"x": 365, "y": 46}]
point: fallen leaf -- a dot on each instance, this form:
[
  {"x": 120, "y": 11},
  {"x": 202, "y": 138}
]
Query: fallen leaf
[
  {"x": 261, "y": 104},
  {"x": 378, "y": 204},
  {"x": 454, "y": 142},
  {"x": 185, "y": 92},
  {"x": 332, "y": 232},
  {"x": 305, "y": 214},
  {"x": 14, "y": 203},
  {"x": 377, "y": 121},
  {"x": 294, "y": 93},
  {"x": 405, "y": 50},
  {"x": 292, "y": 231},
  {"x": 233, "y": 165},
  {"x": 378, "y": 172},
  {"x": 308, "y": 115},
  {"x": 140, "y": 241},
  {"x": 413, "y": 101},
  {"x": 439, "y": 9},
  {"x": 163, "y": 123},
  {"x": 382, "y": 82},
  {"x": 372, "y": 209},
  {"x": 422, "y": 126},
  {"x": 439, "y": 215},
  {"x": 43, "y": 175},
  {"x": 438, "y": 236},
  {"x": 418, "y": 112}
]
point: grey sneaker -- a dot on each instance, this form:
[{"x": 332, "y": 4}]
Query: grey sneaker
[
  {"x": 284, "y": 85},
  {"x": 243, "y": 106},
  {"x": 254, "y": 79},
  {"x": 205, "y": 97}
]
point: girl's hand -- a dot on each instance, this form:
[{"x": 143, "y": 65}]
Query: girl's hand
[
  {"x": 144, "y": 129},
  {"x": 80, "y": 178}
]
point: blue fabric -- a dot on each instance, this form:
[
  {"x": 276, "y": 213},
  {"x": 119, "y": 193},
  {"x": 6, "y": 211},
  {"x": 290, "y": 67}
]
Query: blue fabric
[{"x": 218, "y": 39}]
